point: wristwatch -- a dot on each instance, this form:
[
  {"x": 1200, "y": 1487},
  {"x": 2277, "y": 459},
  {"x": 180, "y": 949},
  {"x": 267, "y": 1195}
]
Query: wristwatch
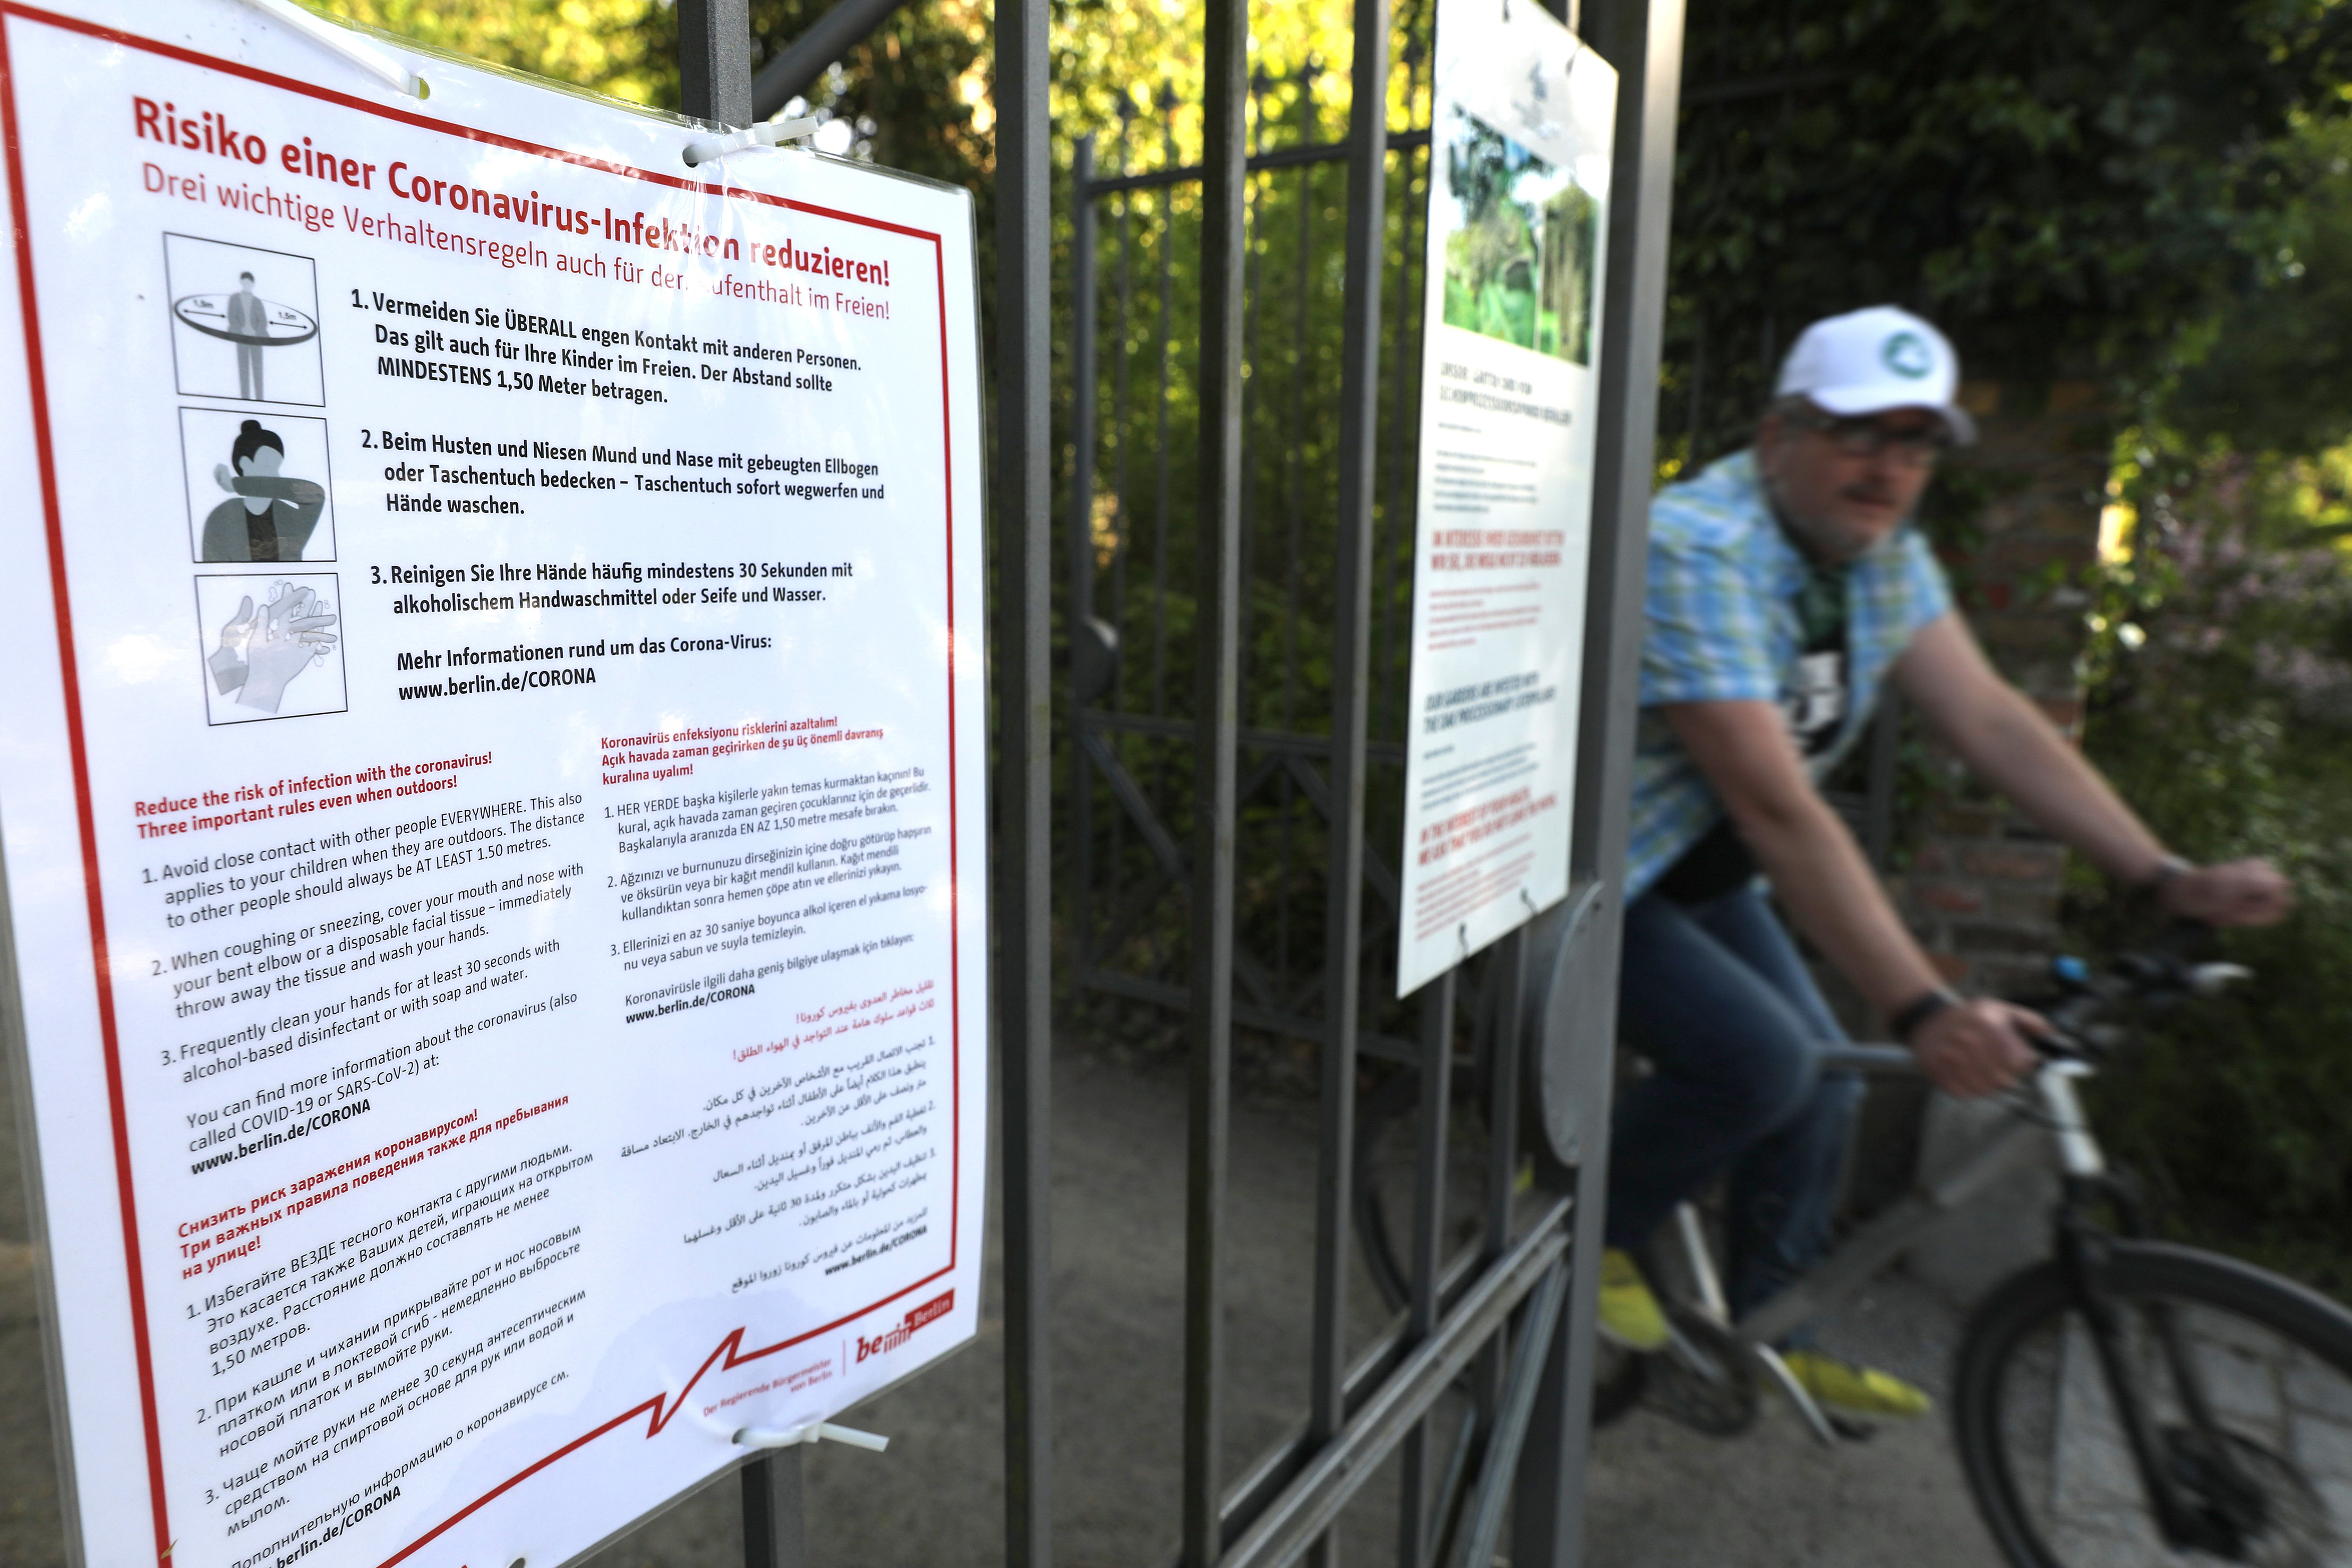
[{"x": 1913, "y": 1014}]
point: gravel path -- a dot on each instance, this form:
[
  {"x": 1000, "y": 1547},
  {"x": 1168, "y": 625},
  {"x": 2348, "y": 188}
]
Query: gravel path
[{"x": 1659, "y": 1495}]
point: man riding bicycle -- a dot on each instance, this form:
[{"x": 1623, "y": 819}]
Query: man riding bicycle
[{"x": 1786, "y": 586}]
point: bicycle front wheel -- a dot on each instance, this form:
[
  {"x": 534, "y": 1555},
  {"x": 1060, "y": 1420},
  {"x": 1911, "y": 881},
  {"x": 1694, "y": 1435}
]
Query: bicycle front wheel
[{"x": 2045, "y": 1453}]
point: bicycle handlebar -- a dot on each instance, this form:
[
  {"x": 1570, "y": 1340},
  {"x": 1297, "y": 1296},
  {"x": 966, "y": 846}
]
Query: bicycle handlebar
[{"x": 2161, "y": 975}]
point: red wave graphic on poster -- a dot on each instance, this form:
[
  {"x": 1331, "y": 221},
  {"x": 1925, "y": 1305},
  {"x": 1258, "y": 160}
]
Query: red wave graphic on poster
[{"x": 662, "y": 1409}]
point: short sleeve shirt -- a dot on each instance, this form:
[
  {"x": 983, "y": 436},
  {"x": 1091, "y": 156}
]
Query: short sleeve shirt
[{"x": 1723, "y": 625}]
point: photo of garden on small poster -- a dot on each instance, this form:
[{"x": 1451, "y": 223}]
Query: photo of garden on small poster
[{"x": 1519, "y": 252}]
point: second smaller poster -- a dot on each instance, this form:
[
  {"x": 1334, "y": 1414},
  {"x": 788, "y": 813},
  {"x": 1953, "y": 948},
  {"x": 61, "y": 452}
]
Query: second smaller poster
[{"x": 1518, "y": 190}]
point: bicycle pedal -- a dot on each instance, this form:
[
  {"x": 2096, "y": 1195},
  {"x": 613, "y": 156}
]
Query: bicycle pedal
[{"x": 1851, "y": 1431}]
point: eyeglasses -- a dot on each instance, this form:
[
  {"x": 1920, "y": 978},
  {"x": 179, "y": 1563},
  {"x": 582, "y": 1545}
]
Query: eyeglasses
[{"x": 1862, "y": 436}]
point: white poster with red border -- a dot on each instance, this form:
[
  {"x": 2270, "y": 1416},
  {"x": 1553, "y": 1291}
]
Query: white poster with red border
[
  {"x": 491, "y": 788},
  {"x": 1522, "y": 121}
]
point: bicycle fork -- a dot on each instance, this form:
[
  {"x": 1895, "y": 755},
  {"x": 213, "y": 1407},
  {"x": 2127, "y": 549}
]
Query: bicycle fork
[{"x": 2234, "y": 1506}]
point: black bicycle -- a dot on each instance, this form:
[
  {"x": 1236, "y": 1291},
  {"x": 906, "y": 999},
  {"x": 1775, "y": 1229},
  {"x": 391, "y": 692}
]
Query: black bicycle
[{"x": 2125, "y": 1400}]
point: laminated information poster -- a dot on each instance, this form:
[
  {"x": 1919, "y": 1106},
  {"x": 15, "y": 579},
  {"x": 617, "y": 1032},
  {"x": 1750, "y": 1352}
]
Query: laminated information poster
[
  {"x": 1521, "y": 126},
  {"x": 492, "y": 789}
]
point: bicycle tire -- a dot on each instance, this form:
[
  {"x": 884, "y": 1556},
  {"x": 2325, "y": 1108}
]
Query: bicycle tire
[{"x": 2093, "y": 1494}]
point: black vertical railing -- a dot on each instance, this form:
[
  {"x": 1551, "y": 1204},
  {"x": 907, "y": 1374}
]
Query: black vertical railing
[
  {"x": 1575, "y": 994},
  {"x": 1281, "y": 586},
  {"x": 1360, "y": 374},
  {"x": 1280, "y": 565},
  {"x": 1022, "y": 629},
  {"x": 1216, "y": 630},
  {"x": 714, "y": 71}
]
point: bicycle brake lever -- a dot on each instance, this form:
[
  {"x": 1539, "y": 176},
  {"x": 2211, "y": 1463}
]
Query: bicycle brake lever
[{"x": 2212, "y": 980}]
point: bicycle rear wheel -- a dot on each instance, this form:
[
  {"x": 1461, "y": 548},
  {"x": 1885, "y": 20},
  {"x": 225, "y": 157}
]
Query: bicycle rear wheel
[{"x": 2044, "y": 1451}]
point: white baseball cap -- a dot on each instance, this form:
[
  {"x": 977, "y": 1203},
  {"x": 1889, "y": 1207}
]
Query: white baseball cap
[{"x": 1873, "y": 359}]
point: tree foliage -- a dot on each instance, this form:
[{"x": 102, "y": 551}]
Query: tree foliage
[
  {"x": 2221, "y": 676},
  {"x": 2271, "y": 370},
  {"x": 2058, "y": 185}
]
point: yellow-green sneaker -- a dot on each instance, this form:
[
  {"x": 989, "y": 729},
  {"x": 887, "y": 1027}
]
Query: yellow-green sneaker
[
  {"x": 1859, "y": 1389},
  {"x": 1629, "y": 1314}
]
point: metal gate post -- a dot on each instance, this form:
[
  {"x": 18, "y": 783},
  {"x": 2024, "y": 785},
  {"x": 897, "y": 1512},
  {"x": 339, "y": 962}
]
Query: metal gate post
[
  {"x": 1415, "y": 1526},
  {"x": 773, "y": 1530},
  {"x": 1023, "y": 527},
  {"x": 1642, "y": 38},
  {"x": 1359, "y": 382},
  {"x": 714, "y": 77},
  {"x": 714, "y": 60},
  {"x": 1216, "y": 723}
]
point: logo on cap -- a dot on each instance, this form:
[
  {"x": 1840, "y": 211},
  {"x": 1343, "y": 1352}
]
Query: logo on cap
[{"x": 1907, "y": 355}]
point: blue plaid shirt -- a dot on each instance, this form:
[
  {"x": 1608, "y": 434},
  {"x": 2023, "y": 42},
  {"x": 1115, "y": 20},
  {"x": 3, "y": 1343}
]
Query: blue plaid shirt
[{"x": 1722, "y": 611}]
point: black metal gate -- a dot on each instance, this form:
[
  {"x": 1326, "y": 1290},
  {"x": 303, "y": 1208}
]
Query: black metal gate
[{"x": 1236, "y": 593}]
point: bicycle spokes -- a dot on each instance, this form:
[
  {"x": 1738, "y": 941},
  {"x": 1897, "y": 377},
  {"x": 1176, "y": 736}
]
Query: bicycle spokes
[{"x": 2252, "y": 1439}]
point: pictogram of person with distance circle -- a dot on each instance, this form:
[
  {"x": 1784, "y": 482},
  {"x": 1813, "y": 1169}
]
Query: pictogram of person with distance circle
[
  {"x": 254, "y": 324},
  {"x": 257, "y": 341}
]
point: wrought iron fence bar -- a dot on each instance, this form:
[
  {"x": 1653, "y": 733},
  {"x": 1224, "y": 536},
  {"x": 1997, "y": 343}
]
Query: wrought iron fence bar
[
  {"x": 1130, "y": 914},
  {"x": 1118, "y": 390},
  {"x": 1295, "y": 504},
  {"x": 1305, "y": 1509},
  {"x": 1403, "y": 425},
  {"x": 774, "y": 1526},
  {"x": 1457, "y": 1476},
  {"x": 792, "y": 72},
  {"x": 1171, "y": 858},
  {"x": 1360, "y": 371},
  {"x": 1288, "y": 1455},
  {"x": 1436, "y": 1066},
  {"x": 1166, "y": 448},
  {"x": 1161, "y": 842},
  {"x": 1085, "y": 389},
  {"x": 1288, "y": 742},
  {"x": 1375, "y": 870},
  {"x": 1484, "y": 1523},
  {"x": 1124, "y": 547},
  {"x": 714, "y": 71},
  {"x": 1502, "y": 1142},
  {"x": 1252, "y": 382},
  {"x": 714, "y": 60},
  {"x": 1216, "y": 704},
  {"x": 1023, "y": 525},
  {"x": 1293, "y": 1026},
  {"x": 1643, "y": 39},
  {"x": 1280, "y": 158}
]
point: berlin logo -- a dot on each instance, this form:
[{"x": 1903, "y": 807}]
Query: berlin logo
[
  {"x": 1907, "y": 355},
  {"x": 891, "y": 1339}
]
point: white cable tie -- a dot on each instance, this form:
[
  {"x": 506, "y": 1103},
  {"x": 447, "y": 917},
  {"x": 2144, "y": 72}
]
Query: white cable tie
[
  {"x": 346, "y": 43},
  {"x": 768, "y": 133},
  {"x": 791, "y": 1436}
]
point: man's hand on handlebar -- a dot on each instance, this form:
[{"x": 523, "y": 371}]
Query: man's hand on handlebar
[
  {"x": 1978, "y": 1048},
  {"x": 2237, "y": 892}
]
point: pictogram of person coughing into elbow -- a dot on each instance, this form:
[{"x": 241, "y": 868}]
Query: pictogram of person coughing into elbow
[
  {"x": 269, "y": 516},
  {"x": 248, "y": 317}
]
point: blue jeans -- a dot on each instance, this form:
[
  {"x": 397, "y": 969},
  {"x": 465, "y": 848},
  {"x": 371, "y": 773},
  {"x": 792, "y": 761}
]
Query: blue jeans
[{"x": 1716, "y": 996}]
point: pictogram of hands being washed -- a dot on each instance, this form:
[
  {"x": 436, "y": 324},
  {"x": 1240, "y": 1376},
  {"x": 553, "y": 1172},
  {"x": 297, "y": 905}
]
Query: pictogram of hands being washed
[{"x": 262, "y": 650}]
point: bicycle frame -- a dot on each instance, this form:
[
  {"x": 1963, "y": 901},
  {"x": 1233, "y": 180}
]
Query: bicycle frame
[
  {"x": 2081, "y": 1251},
  {"x": 1894, "y": 1232}
]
